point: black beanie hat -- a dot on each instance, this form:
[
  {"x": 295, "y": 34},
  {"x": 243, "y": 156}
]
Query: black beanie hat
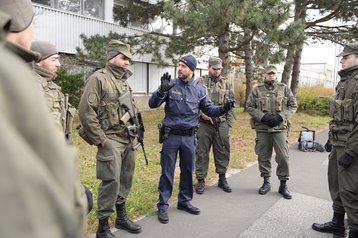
[{"x": 190, "y": 61}]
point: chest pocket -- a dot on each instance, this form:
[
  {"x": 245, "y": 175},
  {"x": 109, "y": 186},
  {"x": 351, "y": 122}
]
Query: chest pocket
[
  {"x": 109, "y": 112},
  {"x": 184, "y": 105},
  {"x": 341, "y": 110},
  {"x": 217, "y": 95}
]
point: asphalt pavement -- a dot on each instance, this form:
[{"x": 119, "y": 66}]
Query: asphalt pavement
[{"x": 244, "y": 213}]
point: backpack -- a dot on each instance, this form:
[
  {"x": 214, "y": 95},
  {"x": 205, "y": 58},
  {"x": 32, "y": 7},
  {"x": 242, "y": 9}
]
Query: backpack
[{"x": 306, "y": 141}]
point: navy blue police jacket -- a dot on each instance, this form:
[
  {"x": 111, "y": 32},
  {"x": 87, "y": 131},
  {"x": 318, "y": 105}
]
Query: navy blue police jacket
[{"x": 183, "y": 103}]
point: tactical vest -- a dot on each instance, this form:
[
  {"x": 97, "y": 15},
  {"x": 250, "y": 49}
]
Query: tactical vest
[
  {"x": 109, "y": 111},
  {"x": 342, "y": 111},
  {"x": 271, "y": 101},
  {"x": 219, "y": 91}
]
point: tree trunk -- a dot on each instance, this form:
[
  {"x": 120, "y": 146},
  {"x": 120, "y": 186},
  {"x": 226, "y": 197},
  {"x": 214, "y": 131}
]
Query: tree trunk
[
  {"x": 224, "y": 55},
  {"x": 248, "y": 67},
  {"x": 296, "y": 69},
  {"x": 287, "y": 69}
]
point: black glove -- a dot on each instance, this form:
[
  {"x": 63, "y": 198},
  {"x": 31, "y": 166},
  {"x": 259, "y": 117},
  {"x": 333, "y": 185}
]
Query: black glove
[
  {"x": 165, "y": 83},
  {"x": 345, "y": 160},
  {"x": 228, "y": 105},
  {"x": 328, "y": 145},
  {"x": 269, "y": 120},
  {"x": 278, "y": 118}
]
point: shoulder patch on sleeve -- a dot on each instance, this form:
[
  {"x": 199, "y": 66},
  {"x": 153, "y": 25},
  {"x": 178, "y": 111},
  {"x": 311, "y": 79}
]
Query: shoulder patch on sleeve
[{"x": 92, "y": 97}]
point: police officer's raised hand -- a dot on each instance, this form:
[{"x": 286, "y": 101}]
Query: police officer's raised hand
[
  {"x": 345, "y": 160},
  {"x": 228, "y": 105},
  {"x": 165, "y": 85}
]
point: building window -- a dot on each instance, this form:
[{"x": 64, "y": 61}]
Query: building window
[{"x": 90, "y": 8}]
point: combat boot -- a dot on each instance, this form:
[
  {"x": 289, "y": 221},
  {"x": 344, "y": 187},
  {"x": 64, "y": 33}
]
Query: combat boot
[
  {"x": 223, "y": 183},
  {"x": 122, "y": 221},
  {"x": 103, "y": 230},
  {"x": 353, "y": 234},
  {"x": 284, "y": 191},
  {"x": 200, "y": 187},
  {"x": 266, "y": 186},
  {"x": 336, "y": 226}
]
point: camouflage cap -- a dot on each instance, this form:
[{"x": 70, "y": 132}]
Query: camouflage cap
[
  {"x": 46, "y": 49},
  {"x": 270, "y": 69},
  {"x": 215, "y": 62},
  {"x": 21, "y": 13},
  {"x": 351, "y": 48},
  {"x": 116, "y": 47}
]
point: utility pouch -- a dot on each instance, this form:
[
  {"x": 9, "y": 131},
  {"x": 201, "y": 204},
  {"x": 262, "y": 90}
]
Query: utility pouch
[{"x": 83, "y": 135}]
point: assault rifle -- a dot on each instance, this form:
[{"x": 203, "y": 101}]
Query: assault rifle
[
  {"x": 126, "y": 102},
  {"x": 216, "y": 124},
  {"x": 68, "y": 123}
]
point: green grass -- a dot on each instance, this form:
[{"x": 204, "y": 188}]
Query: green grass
[{"x": 143, "y": 196}]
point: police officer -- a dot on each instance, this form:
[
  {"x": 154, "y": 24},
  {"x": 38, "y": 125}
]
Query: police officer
[
  {"x": 343, "y": 145},
  {"x": 46, "y": 68},
  {"x": 184, "y": 98},
  {"x": 214, "y": 131},
  {"x": 100, "y": 113},
  {"x": 39, "y": 167},
  {"x": 270, "y": 105}
]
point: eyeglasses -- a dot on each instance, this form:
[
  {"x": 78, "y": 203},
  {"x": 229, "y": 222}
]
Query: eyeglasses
[{"x": 271, "y": 73}]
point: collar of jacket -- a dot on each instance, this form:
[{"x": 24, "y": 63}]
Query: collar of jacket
[
  {"x": 348, "y": 72},
  {"x": 119, "y": 72},
  {"x": 47, "y": 74},
  {"x": 270, "y": 84},
  {"x": 25, "y": 54}
]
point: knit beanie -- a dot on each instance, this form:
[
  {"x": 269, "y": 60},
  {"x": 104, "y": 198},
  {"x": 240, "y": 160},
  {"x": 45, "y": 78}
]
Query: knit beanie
[
  {"x": 190, "y": 61},
  {"x": 46, "y": 49},
  {"x": 116, "y": 47},
  {"x": 21, "y": 13}
]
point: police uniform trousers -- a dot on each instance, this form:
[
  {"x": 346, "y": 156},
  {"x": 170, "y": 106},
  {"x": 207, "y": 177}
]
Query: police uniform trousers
[
  {"x": 185, "y": 146},
  {"x": 265, "y": 143},
  {"x": 115, "y": 167},
  {"x": 347, "y": 194},
  {"x": 208, "y": 136}
]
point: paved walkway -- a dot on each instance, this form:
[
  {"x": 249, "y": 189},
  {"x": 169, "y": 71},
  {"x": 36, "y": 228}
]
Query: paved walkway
[{"x": 244, "y": 213}]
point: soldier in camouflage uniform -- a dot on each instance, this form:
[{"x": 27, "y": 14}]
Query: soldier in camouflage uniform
[
  {"x": 270, "y": 105},
  {"x": 343, "y": 145},
  {"x": 40, "y": 167},
  {"x": 102, "y": 118},
  {"x": 46, "y": 68},
  {"x": 214, "y": 131}
]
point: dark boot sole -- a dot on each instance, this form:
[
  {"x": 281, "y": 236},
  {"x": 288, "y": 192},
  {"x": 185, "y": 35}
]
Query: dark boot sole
[
  {"x": 340, "y": 234},
  {"x": 264, "y": 192},
  {"x": 118, "y": 226},
  {"x": 225, "y": 189}
]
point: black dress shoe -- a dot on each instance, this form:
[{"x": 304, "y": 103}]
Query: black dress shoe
[
  {"x": 329, "y": 227},
  {"x": 189, "y": 208},
  {"x": 163, "y": 216}
]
